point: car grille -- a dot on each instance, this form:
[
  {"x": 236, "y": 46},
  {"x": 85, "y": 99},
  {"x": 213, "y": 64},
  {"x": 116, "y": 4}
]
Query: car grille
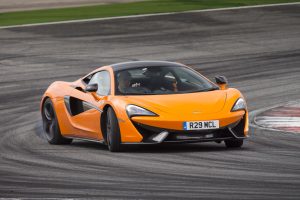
[{"x": 149, "y": 132}]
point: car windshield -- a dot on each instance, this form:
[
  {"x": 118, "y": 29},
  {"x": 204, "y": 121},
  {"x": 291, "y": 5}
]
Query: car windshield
[{"x": 160, "y": 80}]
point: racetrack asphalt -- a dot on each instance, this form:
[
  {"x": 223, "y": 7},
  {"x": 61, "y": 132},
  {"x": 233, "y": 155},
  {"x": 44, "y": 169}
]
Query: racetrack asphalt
[{"x": 257, "y": 49}]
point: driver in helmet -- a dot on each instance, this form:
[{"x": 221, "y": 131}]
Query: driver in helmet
[{"x": 124, "y": 84}]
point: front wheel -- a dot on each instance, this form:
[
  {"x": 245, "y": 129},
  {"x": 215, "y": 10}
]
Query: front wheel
[
  {"x": 50, "y": 124},
  {"x": 113, "y": 136},
  {"x": 234, "y": 143}
]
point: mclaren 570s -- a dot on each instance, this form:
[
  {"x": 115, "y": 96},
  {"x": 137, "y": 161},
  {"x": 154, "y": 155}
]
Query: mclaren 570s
[{"x": 144, "y": 102}]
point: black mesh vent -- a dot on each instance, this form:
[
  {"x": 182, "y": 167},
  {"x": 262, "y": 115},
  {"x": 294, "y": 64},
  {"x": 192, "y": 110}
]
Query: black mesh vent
[
  {"x": 148, "y": 132},
  {"x": 239, "y": 128}
]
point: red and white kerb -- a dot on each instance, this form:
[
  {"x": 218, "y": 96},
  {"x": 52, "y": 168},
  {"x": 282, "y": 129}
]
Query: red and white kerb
[{"x": 285, "y": 118}]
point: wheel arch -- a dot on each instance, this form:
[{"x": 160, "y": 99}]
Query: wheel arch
[
  {"x": 44, "y": 98},
  {"x": 103, "y": 120}
]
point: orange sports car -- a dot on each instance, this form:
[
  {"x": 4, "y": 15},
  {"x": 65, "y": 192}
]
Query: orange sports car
[{"x": 144, "y": 102}]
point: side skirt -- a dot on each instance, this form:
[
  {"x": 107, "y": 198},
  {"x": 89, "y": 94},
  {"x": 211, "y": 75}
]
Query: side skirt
[{"x": 86, "y": 139}]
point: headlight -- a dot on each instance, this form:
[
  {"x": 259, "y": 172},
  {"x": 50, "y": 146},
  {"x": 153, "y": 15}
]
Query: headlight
[
  {"x": 133, "y": 110},
  {"x": 240, "y": 104}
]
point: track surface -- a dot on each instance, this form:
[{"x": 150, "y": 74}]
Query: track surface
[{"x": 257, "y": 49}]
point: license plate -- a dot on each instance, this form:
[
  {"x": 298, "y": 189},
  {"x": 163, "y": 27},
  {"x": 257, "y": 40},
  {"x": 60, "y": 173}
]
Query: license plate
[{"x": 201, "y": 125}]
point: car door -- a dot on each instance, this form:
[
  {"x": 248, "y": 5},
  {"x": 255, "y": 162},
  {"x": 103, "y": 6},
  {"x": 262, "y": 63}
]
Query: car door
[{"x": 84, "y": 107}]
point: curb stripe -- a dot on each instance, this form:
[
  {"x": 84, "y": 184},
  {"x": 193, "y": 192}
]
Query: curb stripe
[
  {"x": 281, "y": 118},
  {"x": 278, "y": 121}
]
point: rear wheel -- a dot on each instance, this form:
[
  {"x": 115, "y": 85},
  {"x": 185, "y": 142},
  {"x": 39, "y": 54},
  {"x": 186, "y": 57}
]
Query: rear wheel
[
  {"x": 234, "y": 143},
  {"x": 113, "y": 137},
  {"x": 50, "y": 125}
]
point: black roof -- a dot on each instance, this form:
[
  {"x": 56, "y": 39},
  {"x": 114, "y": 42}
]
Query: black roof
[{"x": 136, "y": 64}]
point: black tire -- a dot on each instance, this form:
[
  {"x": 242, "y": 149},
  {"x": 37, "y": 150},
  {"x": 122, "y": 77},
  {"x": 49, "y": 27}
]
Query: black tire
[
  {"x": 50, "y": 124},
  {"x": 113, "y": 136},
  {"x": 234, "y": 143}
]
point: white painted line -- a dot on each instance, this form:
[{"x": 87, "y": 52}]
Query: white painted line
[{"x": 149, "y": 15}]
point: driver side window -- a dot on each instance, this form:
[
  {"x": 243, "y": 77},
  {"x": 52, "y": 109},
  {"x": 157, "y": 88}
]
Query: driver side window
[{"x": 102, "y": 78}]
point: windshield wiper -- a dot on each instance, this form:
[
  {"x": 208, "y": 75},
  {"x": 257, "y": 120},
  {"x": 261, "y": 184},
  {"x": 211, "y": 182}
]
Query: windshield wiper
[
  {"x": 212, "y": 89},
  {"x": 209, "y": 89}
]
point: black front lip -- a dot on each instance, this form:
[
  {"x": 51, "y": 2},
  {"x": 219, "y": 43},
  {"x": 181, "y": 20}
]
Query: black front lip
[
  {"x": 183, "y": 141},
  {"x": 223, "y": 133}
]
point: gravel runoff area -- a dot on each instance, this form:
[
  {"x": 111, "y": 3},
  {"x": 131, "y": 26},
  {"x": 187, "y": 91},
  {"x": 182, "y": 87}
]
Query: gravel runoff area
[{"x": 18, "y": 5}]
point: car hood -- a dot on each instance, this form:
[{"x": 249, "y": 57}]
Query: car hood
[{"x": 182, "y": 104}]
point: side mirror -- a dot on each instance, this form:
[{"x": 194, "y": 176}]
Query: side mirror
[
  {"x": 92, "y": 87},
  {"x": 222, "y": 82}
]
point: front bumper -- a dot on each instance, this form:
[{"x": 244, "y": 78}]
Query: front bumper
[{"x": 155, "y": 135}]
